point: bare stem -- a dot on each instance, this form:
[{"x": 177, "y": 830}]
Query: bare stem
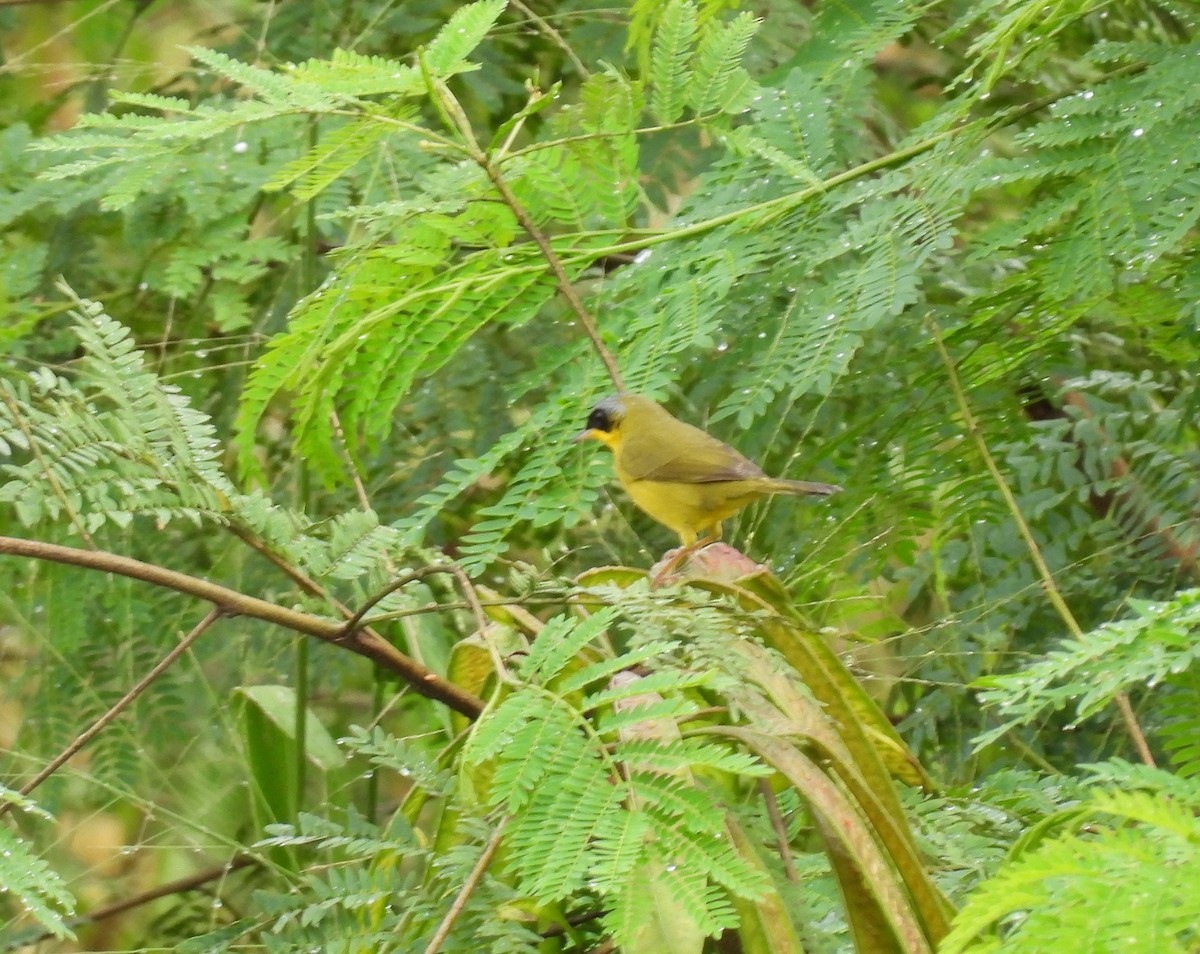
[
  {"x": 780, "y": 829},
  {"x": 364, "y": 499},
  {"x": 555, "y": 37},
  {"x": 470, "y": 595},
  {"x": 1051, "y": 589},
  {"x": 118, "y": 707},
  {"x": 179, "y": 886},
  {"x": 464, "y": 893},
  {"x": 454, "y": 116},
  {"x": 355, "y": 621}
]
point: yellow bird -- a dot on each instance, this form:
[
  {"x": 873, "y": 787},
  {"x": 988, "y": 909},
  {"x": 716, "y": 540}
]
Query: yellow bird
[{"x": 682, "y": 477}]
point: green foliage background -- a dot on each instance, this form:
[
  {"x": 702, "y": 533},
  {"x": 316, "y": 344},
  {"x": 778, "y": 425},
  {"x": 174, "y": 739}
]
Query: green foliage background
[{"x": 875, "y": 244}]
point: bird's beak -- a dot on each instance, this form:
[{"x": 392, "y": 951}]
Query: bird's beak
[{"x": 587, "y": 434}]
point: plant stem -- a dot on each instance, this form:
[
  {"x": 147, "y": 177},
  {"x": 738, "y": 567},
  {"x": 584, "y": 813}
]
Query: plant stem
[
  {"x": 464, "y": 893},
  {"x": 453, "y": 114},
  {"x": 1051, "y": 589},
  {"x": 179, "y": 886},
  {"x": 780, "y": 828},
  {"x": 118, "y": 707},
  {"x": 554, "y": 36}
]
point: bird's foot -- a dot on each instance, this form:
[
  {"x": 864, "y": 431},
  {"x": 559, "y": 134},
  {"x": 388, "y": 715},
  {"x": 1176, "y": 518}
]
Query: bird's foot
[
  {"x": 664, "y": 570},
  {"x": 714, "y": 561}
]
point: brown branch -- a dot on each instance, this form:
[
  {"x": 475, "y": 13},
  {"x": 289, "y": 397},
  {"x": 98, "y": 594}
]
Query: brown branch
[
  {"x": 231, "y": 602},
  {"x": 179, "y": 886},
  {"x": 473, "y": 879},
  {"x": 117, "y": 707}
]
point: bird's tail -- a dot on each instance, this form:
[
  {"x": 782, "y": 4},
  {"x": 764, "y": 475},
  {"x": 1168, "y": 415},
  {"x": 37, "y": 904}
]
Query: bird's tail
[{"x": 781, "y": 486}]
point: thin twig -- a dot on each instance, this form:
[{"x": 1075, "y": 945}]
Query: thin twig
[
  {"x": 119, "y": 706},
  {"x": 453, "y": 569},
  {"x": 72, "y": 26},
  {"x": 464, "y": 893},
  {"x": 179, "y": 886},
  {"x": 565, "y": 286},
  {"x": 464, "y": 605},
  {"x": 779, "y": 205},
  {"x": 1011, "y": 738},
  {"x": 1121, "y": 700},
  {"x": 453, "y": 114},
  {"x": 335, "y": 422},
  {"x": 544, "y": 144},
  {"x": 1134, "y": 728},
  {"x": 555, "y": 37},
  {"x": 780, "y": 829},
  {"x": 469, "y": 594},
  {"x": 364, "y": 643},
  {"x": 306, "y": 583},
  {"x": 572, "y": 920},
  {"x": 308, "y": 281},
  {"x": 481, "y": 620}
]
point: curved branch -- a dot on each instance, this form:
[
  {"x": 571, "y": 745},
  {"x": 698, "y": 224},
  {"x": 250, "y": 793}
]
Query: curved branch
[
  {"x": 353, "y": 623},
  {"x": 365, "y": 643}
]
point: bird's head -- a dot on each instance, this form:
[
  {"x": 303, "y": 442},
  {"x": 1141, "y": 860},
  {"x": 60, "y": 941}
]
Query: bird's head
[{"x": 604, "y": 423}]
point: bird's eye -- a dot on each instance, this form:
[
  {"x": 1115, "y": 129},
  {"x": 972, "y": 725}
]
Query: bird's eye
[{"x": 599, "y": 420}]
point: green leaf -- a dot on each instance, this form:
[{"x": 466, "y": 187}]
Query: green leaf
[
  {"x": 34, "y": 885},
  {"x": 719, "y": 83},
  {"x": 329, "y": 159},
  {"x": 670, "y": 75},
  {"x": 464, "y": 31}
]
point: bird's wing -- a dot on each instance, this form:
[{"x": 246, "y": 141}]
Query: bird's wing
[{"x": 687, "y": 456}]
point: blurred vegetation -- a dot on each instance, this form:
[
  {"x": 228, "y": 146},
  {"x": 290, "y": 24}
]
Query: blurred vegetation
[{"x": 285, "y": 307}]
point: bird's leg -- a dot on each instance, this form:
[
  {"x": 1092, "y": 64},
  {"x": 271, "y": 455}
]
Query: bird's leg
[{"x": 672, "y": 559}]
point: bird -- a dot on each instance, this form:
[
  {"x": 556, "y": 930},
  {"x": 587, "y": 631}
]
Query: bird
[{"x": 678, "y": 474}]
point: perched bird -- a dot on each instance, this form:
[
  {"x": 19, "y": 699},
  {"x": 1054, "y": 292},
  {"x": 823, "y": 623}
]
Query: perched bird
[{"x": 682, "y": 477}]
